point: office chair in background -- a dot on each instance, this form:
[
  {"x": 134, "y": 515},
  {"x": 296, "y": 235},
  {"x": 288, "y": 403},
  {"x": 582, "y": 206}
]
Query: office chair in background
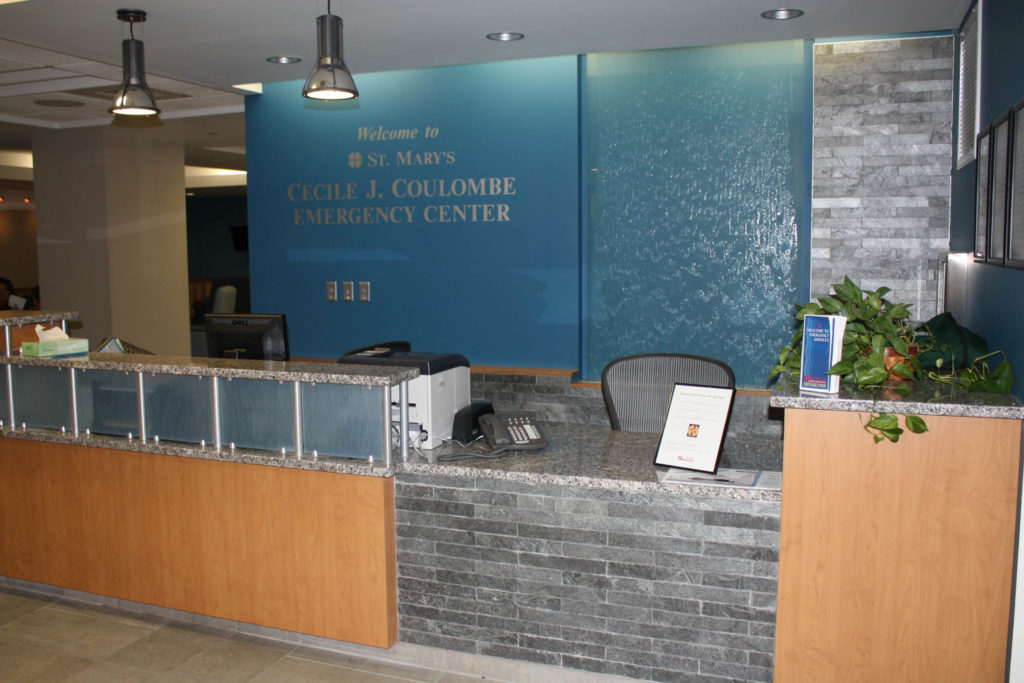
[
  {"x": 224, "y": 299},
  {"x": 637, "y": 389}
]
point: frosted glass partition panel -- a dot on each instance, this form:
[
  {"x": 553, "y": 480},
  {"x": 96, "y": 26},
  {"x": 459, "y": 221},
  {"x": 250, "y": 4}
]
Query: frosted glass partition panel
[
  {"x": 108, "y": 402},
  {"x": 343, "y": 419},
  {"x": 257, "y": 413},
  {"x": 5, "y": 406},
  {"x": 179, "y": 408},
  {"x": 42, "y": 397}
]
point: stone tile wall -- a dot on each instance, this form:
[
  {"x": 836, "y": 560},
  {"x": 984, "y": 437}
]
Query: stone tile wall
[
  {"x": 882, "y": 154},
  {"x": 652, "y": 586}
]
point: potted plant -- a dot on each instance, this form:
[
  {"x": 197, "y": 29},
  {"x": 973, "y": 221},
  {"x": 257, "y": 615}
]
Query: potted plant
[{"x": 883, "y": 349}]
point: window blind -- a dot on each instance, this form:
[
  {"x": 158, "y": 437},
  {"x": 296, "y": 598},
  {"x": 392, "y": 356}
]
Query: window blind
[{"x": 967, "y": 109}]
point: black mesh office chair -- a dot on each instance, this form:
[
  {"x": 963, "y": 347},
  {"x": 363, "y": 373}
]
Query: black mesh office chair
[
  {"x": 637, "y": 389},
  {"x": 386, "y": 348}
]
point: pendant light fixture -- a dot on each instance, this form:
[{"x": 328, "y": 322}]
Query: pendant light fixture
[
  {"x": 134, "y": 97},
  {"x": 330, "y": 79}
]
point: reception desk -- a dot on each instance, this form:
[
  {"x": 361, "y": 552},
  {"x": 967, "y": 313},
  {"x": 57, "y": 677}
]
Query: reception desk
[
  {"x": 897, "y": 560},
  {"x": 575, "y": 557}
]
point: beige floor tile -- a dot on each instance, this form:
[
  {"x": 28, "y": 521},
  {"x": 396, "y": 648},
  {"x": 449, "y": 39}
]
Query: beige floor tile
[
  {"x": 462, "y": 678},
  {"x": 327, "y": 657},
  {"x": 233, "y": 659},
  {"x": 21, "y": 661},
  {"x": 167, "y": 648},
  {"x": 74, "y": 632},
  {"x": 402, "y": 671},
  {"x": 108, "y": 672},
  {"x": 14, "y": 606},
  {"x": 295, "y": 670}
]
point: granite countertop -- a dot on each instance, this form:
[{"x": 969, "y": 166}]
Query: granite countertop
[
  {"x": 288, "y": 371},
  {"x": 577, "y": 455},
  {"x": 240, "y": 455},
  {"x": 926, "y": 398},
  {"x": 14, "y": 317},
  {"x": 581, "y": 455}
]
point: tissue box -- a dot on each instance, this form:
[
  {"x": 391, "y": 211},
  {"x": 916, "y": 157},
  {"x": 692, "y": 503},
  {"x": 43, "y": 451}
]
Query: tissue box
[{"x": 56, "y": 348}]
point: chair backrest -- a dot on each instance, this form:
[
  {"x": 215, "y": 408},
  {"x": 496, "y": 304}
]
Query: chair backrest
[
  {"x": 637, "y": 389},
  {"x": 386, "y": 348},
  {"x": 224, "y": 299}
]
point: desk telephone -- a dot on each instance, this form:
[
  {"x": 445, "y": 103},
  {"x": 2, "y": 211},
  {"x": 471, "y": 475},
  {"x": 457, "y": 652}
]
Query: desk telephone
[{"x": 512, "y": 432}]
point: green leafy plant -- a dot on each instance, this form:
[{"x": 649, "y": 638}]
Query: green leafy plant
[{"x": 881, "y": 349}]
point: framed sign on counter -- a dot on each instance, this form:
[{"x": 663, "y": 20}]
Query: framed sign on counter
[{"x": 695, "y": 427}]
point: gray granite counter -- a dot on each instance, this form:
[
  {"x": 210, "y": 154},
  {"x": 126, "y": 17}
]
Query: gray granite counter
[
  {"x": 288, "y": 371},
  {"x": 577, "y": 455},
  {"x": 321, "y": 463},
  {"x": 15, "y": 318},
  {"x": 584, "y": 456},
  {"x": 926, "y": 398}
]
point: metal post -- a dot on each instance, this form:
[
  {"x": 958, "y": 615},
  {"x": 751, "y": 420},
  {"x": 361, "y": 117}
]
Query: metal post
[
  {"x": 74, "y": 401},
  {"x": 403, "y": 412},
  {"x": 10, "y": 375},
  {"x": 387, "y": 426},
  {"x": 297, "y": 402},
  {"x": 215, "y": 383},
  {"x": 142, "y": 408}
]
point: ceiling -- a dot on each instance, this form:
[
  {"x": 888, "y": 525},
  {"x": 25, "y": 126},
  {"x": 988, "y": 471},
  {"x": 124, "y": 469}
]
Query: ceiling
[{"x": 66, "y": 53}]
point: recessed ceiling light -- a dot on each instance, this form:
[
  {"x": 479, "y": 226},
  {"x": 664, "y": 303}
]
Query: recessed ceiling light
[
  {"x": 505, "y": 36},
  {"x": 284, "y": 59},
  {"x": 782, "y": 14}
]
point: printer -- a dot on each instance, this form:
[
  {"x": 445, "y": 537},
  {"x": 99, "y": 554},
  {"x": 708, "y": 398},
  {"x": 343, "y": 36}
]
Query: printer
[{"x": 440, "y": 391}]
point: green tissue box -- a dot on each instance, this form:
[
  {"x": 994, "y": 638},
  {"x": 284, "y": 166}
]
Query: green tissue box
[{"x": 55, "y": 349}]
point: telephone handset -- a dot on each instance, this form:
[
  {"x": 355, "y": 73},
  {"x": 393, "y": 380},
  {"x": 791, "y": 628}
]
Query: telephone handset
[{"x": 512, "y": 432}]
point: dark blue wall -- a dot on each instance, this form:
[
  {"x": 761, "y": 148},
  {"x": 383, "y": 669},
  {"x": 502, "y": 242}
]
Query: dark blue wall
[
  {"x": 211, "y": 250},
  {"x": 492, "y": 273},
  {"x": 994, "y": 304}
]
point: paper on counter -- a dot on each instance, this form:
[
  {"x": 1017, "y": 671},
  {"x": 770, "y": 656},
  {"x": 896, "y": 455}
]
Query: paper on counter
[{"x": 52, "y": 334}]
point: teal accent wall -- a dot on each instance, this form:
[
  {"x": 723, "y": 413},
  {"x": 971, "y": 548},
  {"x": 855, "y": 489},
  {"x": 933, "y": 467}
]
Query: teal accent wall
[
  {"x": 660, "y": 202},
  {"x": 994, "y": 305},
  {"x": 698, "y": 185},
  {"x": 453, "y": 191}
]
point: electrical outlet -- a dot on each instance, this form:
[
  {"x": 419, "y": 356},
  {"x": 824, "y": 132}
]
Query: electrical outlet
[
  {"x": 332, "y": 290},
  {"x": 364, "y": 291},
  {"x": 347, "y": 292}
]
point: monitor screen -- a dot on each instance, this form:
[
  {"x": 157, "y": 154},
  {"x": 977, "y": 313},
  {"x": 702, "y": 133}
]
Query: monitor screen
[{"x": 253, "y": 336}]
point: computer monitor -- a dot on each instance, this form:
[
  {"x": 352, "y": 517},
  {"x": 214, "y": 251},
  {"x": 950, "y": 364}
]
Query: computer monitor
[{"x": 253, "y": 336}]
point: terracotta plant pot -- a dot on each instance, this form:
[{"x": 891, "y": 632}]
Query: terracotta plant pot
[{"x": 891, "y": 358}]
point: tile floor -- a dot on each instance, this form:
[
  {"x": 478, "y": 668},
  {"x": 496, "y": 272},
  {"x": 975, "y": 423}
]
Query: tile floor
[{"x": 50, "y": 639}]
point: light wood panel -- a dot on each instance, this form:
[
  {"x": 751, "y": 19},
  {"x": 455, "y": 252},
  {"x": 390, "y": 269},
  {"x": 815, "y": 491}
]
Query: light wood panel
[
  {"x": 896, "y": 560},
  {"x": 304, "y": 551}
]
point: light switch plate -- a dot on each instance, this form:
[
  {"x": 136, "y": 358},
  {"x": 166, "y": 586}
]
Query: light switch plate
[
  {"x": 364, "y": 291},
  {"x": 332, "y": 290},
  {"x": 346, "y": 291}
]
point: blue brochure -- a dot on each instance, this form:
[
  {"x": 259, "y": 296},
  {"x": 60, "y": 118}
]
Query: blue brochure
[{"x": 822, "y": 348}]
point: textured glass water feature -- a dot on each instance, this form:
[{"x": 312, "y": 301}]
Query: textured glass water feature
[{"x": 695, "y": 180}]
